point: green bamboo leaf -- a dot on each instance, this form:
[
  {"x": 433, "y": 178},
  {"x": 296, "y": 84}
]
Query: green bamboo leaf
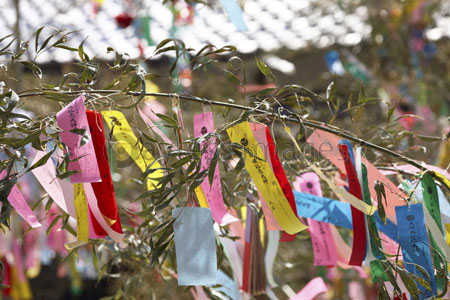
[
  {"x": 379, "y": 189},
  {"x": 42, "y": 160},
  {"x": 265, "y": 69}
]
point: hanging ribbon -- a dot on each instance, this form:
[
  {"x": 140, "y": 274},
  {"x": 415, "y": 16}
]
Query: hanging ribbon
[
  {"x": 264, "y": 178},
  {"x": 128, "y": 141},
  {"x": 359, "y": 228},
  {"x": 104, "y": 190}
]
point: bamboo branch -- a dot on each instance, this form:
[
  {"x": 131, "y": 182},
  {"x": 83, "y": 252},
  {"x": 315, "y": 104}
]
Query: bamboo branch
[{"x": 299, "y": 120}]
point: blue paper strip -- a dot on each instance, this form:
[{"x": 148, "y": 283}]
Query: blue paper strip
[
  {"x": 234, "y": 12},
  {"x": 414, "y": 242},
  {"x": 323, "y": 209},
  {"x": 195, "y": 246},
  {"x": 336, "y": 212},
  {"x": 228, "y": 286},
  {"x": 389, "y": 229}
]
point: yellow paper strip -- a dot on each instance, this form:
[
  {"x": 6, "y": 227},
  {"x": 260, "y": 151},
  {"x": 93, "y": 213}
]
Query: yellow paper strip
[
  {"x": 264, "y": 178},
  {"x": 201, "y": 197},
  {"x": 128, "y": 141},
  {"x": 81, "y": 208},
  {"x": 339, "y": 191}
]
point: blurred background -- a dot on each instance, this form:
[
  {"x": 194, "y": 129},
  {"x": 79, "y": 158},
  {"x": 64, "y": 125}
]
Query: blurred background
[{"x": 394, "y": 50}]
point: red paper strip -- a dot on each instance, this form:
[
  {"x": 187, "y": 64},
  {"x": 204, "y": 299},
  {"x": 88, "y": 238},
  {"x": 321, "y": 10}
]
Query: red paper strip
[
  {"x": 104, "y": 190},
  {"x": 282, "y": 180},
  {"x": 359, "y": 226}
]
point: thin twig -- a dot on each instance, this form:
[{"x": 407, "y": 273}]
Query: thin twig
[{"x": 308, "y": 123}]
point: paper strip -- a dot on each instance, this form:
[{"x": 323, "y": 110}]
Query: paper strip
[
  {"x": 358, "y": 219},
  {"x": 271, "y": 253},
  {"x": 93, "y": 206},
  {"x": 59, "y": 190},
  {"x": 104, "y": 190},
  {"x": 259, "y": 132},
  {"x": 413, "y": 240},
  {"x": 195, "y": 246},
  {"x": 265, "y": 180},
  {"x": 128, "y": 141},
  {"x": 81, "y": 209},
  {"x": 227, "y": 286},
  {"x": 321, "y": 238},
  {"x": 326, "y": 143},
  {"x": 203, "y": 124},
  {"x": 19, "y": 203},
  {"x": 73, "y": 116},
  {"x": 231, "y": 252},
  {"x": 234, "y": 12},
  {"x": 315, "y": 287},
  {"x": 323, "y": 209}
]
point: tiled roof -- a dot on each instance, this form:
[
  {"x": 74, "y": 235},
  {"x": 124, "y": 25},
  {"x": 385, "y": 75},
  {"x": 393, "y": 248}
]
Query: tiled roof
[{"x": 272, "y": 24}]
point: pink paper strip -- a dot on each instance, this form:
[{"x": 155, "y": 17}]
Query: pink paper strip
[
  {"x": 204, "y": 123},
  {"x": 93, "y": 205},
  {"x": 344, "y": 252},
  {"x": 321, "y": 238},
  {"x": 327, "y": 144},
  {"x": 73, "y": 116},
  {"x": 59, "y": 190},
  {"x": 313, "y": 288},
  {"x": 56, "y": 237},
  {"x": 148, "y": 121},
  {"x": 356, "y": 291},
  {"x": 18, "y": 202}
]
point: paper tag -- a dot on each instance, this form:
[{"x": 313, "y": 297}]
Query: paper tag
[
  {"x": 227, "y": 286},
  {"x": 281, "y": 176},
  {"x": 73, "y": 116},
  {"x": 271, "y": 253},
  {"x": 358, "y": 219},
  {"x": 321, "y": 238},
  {"x": 19, "y": 203},
  {"x": 195, "y": 246},
  {"x": 234, "y": 12},
  {"x": 413, "y": 240},
  {"x": 203, "y": 124},
  {"x": 81, "y": 209},
  {"x": 93, "y": 206},
  {"x": 431, "y": 198},
  {"x": 259, "y": 132},
  {"x": 315, "y": 287},
  {"x": 232, "y": 253},
  {"x": 104, "y": 190},
  {"x": 59, "y": 190},
  {"x": 128, "y": 141},
  {"x": 326, "y": 143},
  {"x": 323, "y": 209},
  {"x": 264, "y": 178}
]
